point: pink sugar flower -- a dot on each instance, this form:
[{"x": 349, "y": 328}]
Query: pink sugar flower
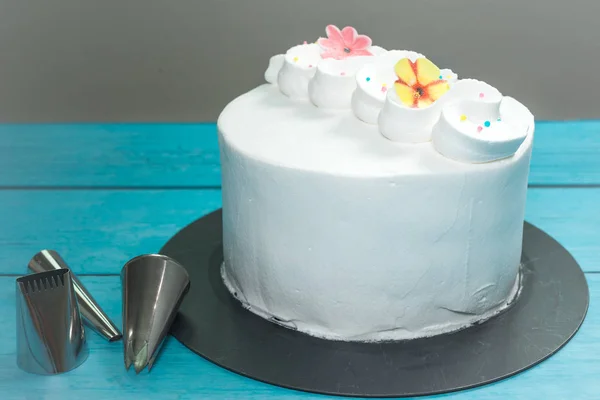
[{"x": 345, "y": 43}]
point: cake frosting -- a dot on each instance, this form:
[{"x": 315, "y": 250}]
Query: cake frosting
[{"x": 370, "y": 195}]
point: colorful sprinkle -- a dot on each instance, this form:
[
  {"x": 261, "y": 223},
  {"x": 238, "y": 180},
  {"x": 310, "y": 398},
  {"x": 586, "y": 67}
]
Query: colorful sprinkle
[
  {"x": 463, "y": 117},
  {"x": 383, "y": 89},
  {"x": 342, "y": 73},
  {"x": 479, "y": 128},
  {"x": 499, "y": 119},
  {"x": 309, "y": 65},
  {"x": 368, "y": 79},
  {"x": 305, "y": 42},
  {"x": 441, "y": 77},
  {"x": 487, "y": 124},
  {"x": 481, "y": 95},
  {"x": 384, "y": 84},
  {"x": 449, "y": 77},
  {"x": 295, "y": 59}
]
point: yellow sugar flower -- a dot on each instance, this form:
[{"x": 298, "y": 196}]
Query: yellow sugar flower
[{"x": 419, "y": 83}]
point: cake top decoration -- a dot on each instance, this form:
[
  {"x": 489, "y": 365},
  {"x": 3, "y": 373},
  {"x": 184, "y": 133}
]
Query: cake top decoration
[
  {"x": 341, "y": 44},
  {"x": 419, "y": 83},
  {"x": 408, "y": 97},
  {"x": 339, "y": 55}
]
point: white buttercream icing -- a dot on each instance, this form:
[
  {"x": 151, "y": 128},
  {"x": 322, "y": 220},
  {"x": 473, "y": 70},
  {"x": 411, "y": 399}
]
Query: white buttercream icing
[
  {"x": 365, "y": 84},
  {"x": 468, "y": 139},
  {"x": 409, "y": 125},
  {"x": 472, "y": 89},
  {"x": 299, "y": 66},
  {"x": 377, "y": 78},
  {"x": 332, "y": 229},
  {"x": 335, "y": 82},
  {"x": 361, "y": 83},
  {"x": 275, "y": 64},
  {"x": 373, "y": 82},
  {"x": 397, "y": 121}
]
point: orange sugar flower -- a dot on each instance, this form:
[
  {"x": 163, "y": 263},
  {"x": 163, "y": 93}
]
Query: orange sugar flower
[{"x": 419, "y": 83}]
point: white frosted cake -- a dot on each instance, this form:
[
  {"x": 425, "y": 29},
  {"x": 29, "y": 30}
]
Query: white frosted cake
[{"x": 370, "y": 195}]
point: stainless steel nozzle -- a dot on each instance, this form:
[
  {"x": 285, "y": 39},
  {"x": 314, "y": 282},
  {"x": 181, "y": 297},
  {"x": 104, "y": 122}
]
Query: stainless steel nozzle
[
  {"x": 94, "y": 316},
  {"x": 153, "y": 288},
  {"x": 50, "y": 334}
]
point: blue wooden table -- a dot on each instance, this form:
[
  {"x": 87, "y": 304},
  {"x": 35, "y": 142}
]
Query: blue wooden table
[{"x": 102, "y": 194}]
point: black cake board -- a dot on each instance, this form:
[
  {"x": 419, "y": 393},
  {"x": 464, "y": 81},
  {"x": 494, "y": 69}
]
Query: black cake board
[{"x": 213, "y": 324}]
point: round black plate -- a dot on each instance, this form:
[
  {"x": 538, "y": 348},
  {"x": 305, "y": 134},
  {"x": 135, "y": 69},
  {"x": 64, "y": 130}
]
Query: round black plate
[{"x": 213, "y": 324}]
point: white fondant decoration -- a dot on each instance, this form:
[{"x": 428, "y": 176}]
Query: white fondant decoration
[
  {"x": 400, "y": 123},
  {"x": 340, "y": 233},
  {"x": 275, "y": 64},
  {"x": 299, "y": 66},
  {"x": 469, "y": 140},
  {"x": 373, "y": 82}
]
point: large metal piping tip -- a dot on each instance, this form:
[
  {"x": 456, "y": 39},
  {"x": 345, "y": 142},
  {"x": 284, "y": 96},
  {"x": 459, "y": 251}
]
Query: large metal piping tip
[
  {"x": 50, "y": 334},
  {"x": 153, "y": 288},
  {"x": 94, "y": 316}
]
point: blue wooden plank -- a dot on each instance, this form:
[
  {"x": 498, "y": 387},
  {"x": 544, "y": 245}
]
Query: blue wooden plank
[
  {"x": 566, "y": 153},
  {"x": 172, "y": 155},
  {"x": 180, "y": 374},
  {"x": 98, "y": 230},
  {"x": 109, "y": 155},
  {"x": 570, "y": 216},
  {"x": 95, "y": 231}
]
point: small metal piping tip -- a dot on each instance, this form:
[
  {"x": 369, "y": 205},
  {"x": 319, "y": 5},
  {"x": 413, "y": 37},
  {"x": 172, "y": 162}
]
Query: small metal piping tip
[
  {"x": 94, "y": 316},
  {"x": 153, "y": 288},
  {"x": 50, "y": 333}
]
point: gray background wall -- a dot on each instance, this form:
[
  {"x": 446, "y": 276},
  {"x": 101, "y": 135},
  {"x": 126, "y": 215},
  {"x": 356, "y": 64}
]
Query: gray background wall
[{"x": 183, "y": 60}]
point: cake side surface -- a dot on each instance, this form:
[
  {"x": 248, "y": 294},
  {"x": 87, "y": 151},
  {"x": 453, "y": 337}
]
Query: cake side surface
[{"x": 332, "y": 228}]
